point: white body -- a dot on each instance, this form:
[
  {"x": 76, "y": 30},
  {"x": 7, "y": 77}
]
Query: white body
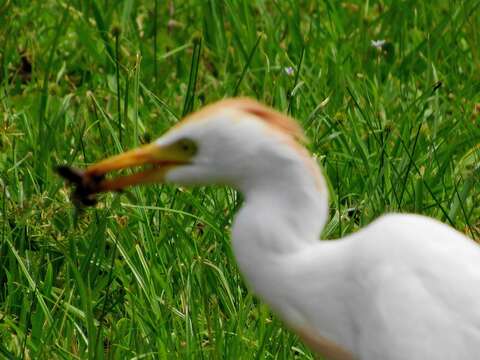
[{"x": 404, "y": 287}]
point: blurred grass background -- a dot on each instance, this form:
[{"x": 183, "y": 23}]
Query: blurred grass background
[{"x": 388, "y": 92}]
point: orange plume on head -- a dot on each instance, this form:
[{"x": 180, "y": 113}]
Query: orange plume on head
[{"x": 272, "y": 117}]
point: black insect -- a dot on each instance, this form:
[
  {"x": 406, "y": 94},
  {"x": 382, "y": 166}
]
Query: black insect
[{"x": 85, "y": 186}]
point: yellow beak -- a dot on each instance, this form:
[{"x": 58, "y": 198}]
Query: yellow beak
[{"x": 160, "y": 158}]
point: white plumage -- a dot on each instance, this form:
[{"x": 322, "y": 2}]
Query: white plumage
[{"x": 404, "y": 287}]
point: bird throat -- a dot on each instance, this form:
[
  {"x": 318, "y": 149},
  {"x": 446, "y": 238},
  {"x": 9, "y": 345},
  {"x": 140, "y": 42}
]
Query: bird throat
[{"x": 280, "y": 216}]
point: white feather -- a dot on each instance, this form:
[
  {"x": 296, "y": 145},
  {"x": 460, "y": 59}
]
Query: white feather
[{"x": 404, "y": 287}]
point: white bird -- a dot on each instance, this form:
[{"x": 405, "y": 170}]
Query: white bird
[{"x": 404, "y": 287}]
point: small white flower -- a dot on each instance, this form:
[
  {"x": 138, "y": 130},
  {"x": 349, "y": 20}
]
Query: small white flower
[
  {"x": 289, "y": 70},
  {"x": 378, "y": 44}
]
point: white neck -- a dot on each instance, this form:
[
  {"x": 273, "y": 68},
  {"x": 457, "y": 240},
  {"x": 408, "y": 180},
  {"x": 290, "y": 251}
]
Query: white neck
[{"x": 282, "y": 214}]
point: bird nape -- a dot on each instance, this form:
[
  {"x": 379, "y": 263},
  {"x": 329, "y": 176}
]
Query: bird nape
[{"x": 404, "y": 287}]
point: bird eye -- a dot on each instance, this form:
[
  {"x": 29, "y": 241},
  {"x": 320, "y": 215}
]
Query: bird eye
[{"x": 187, "y": 146}]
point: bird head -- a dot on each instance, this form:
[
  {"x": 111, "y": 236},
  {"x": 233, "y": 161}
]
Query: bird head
[{"x": 228, "y": 142}]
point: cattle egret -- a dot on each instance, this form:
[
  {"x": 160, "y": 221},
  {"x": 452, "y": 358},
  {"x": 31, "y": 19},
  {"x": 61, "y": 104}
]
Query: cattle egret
[{"x": 404, "y": 287}]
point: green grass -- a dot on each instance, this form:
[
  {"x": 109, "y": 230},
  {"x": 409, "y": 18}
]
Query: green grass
[{"x": 150, "y": 274}]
